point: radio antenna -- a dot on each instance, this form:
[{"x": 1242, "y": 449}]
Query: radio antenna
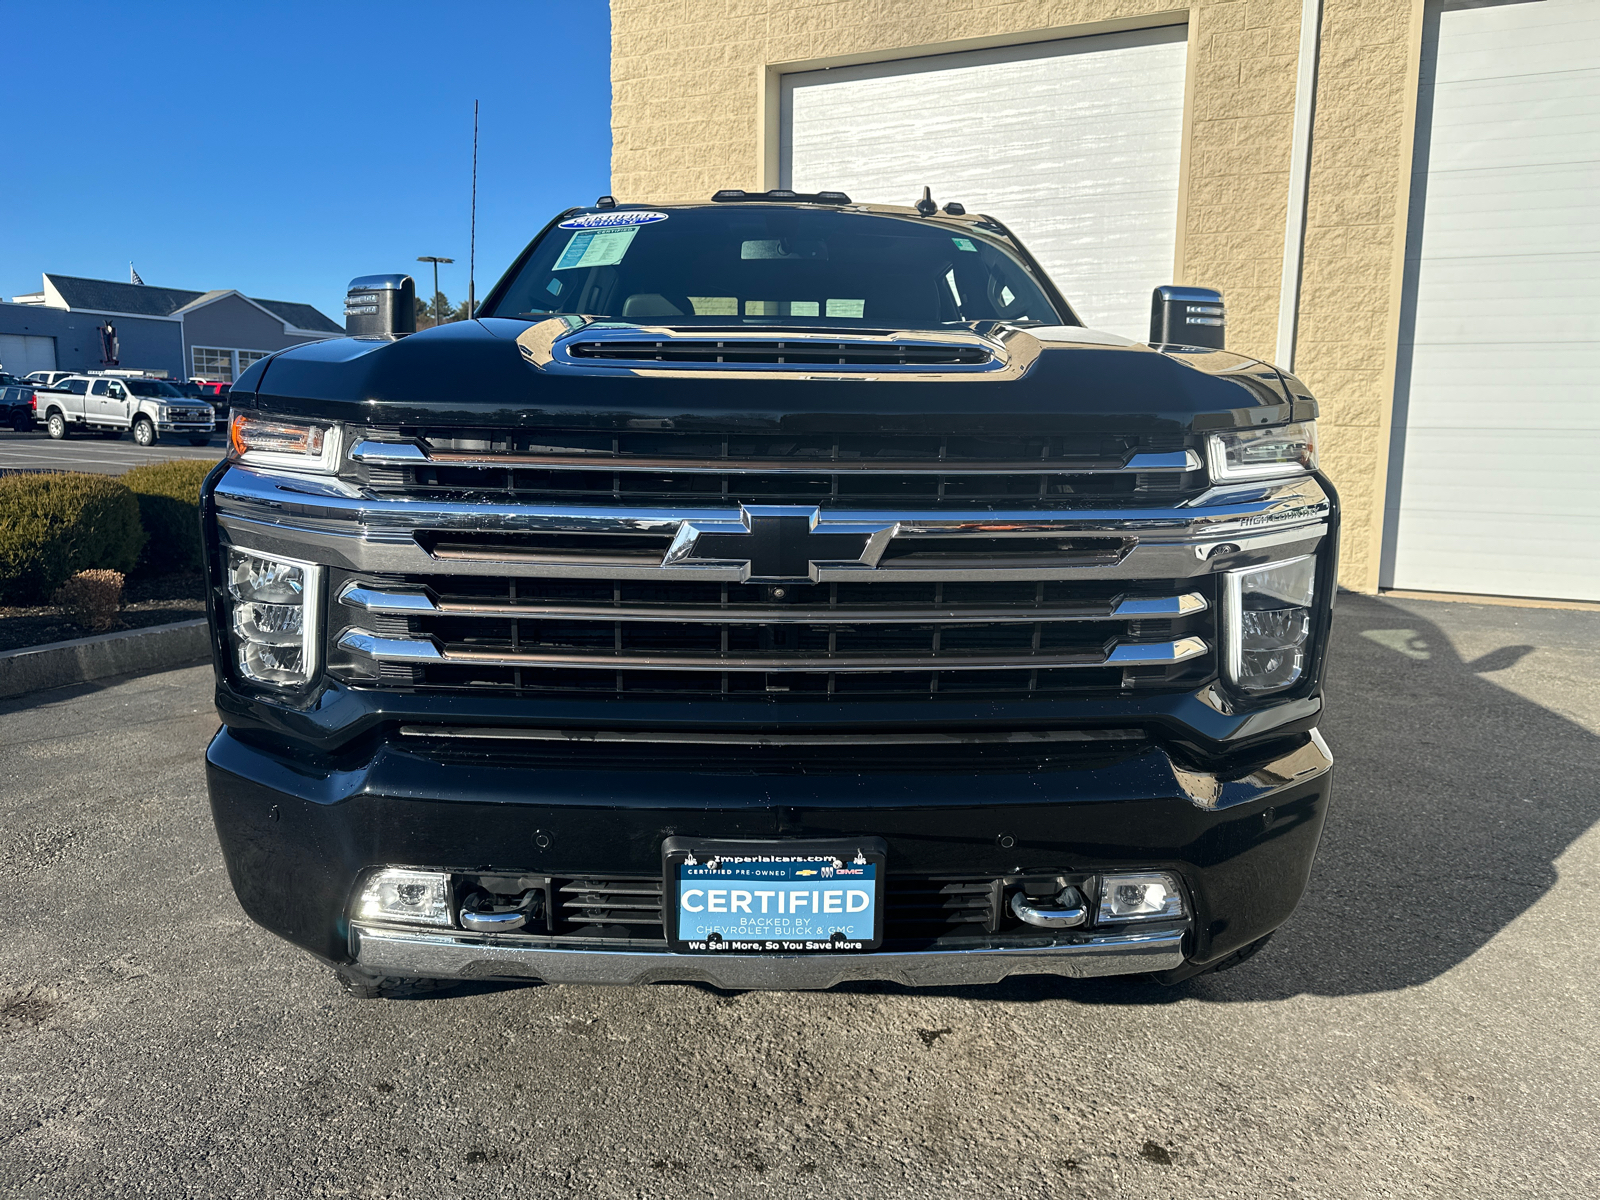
[{"x": 472, "y": 241}]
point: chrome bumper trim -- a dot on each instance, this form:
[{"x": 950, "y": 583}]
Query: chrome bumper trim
[{"x": 447, "y": 956}]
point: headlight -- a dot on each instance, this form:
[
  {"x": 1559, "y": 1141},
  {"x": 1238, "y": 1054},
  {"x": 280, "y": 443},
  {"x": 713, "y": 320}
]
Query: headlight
[
  {"x": 269, "y": 442},
  {"x": 1268, "y": 614},
  {"x": 1263, "y": 453},
  {"x": 273, "y": 606}
]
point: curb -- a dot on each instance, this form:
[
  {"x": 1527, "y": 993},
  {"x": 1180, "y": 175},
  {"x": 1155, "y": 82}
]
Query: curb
[{"x": 157, "y": 648}]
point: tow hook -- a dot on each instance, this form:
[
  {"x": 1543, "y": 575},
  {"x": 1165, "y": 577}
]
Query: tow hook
[
  {"x": 480, "y": 915},
  {"x": 1067, "y": 912}
]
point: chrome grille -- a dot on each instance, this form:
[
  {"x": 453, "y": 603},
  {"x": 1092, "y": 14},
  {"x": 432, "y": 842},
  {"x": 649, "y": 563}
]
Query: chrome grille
[
  {"x": 541, "y": 635},
  {"x": 828, "y": 466},
  {"x": 602, "y": 906}
]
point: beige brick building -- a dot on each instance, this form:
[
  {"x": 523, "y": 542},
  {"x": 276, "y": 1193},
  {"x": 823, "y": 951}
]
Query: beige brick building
[{"x": 1291, "y": 187}]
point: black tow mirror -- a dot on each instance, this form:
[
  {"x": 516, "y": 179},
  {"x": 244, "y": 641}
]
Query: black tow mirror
[
  {"x": 1187, "y": 316},
  {"x": 381, "y": 306}
]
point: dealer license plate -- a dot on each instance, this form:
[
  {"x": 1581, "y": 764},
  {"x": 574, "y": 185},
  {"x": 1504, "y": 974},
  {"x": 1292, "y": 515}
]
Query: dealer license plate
[{"x": 773, "y": 897}]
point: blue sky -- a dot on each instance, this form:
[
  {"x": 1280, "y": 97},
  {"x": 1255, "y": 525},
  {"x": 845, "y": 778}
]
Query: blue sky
[{"x": 284, "y": 148}]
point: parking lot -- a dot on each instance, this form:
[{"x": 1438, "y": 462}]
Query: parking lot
[
  {"x": 1426, "y": 1025},
  {"x": 83, "y": 452}
]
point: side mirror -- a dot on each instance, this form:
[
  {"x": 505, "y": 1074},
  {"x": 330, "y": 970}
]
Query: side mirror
[
  {"x": 381, "y": 306},
  {"x": 1187, "y": 316}
]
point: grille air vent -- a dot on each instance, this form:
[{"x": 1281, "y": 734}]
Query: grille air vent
[{"x": 841, "y": 353}]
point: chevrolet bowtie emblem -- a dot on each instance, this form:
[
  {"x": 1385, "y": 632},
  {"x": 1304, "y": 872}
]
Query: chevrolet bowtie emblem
[{"x": 778, "y": 541}]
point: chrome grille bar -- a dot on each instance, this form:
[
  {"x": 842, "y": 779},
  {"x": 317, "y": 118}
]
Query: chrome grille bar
[
  {"x": 412, "y": 603},
  {"x": 425, "y": 651},
  {"x": 410, "y": 454}
]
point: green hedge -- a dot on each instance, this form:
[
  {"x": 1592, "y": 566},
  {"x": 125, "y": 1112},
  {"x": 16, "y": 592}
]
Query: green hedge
[
  {"x": 53, "y": 526},
  {"x": 169, "y": 507}
]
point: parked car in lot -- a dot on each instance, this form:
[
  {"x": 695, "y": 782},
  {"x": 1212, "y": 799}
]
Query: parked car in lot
[
  {"x": 114, "y": 405},
  {"x": 216, "y": 391},
  {"x": 770, "y": 592},
  {"x": 47, "y": 379},
  {"x": 16, "y": 404}
]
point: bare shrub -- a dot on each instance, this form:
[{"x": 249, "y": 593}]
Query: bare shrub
[{"x": 91, "y": 598}]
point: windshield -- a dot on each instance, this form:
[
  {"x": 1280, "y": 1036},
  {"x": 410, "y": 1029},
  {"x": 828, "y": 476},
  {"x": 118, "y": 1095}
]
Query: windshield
[
  {"x": 154, "y": 387},
  {"x": 748, "y": 265}
]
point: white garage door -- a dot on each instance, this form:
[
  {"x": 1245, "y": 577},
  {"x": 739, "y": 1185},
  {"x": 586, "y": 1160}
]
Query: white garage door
[
  {"x": 1497, "y": 445},
  {"x": 24, "y": 352},
  {"x": 1073, "y": 144}
]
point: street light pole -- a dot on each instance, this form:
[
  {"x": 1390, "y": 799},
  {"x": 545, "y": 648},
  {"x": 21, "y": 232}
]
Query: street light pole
[{"x": 428, "y": 258}]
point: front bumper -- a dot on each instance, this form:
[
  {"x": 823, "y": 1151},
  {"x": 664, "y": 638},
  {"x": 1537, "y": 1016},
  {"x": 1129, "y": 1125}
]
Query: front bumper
[
  {"x": 297, "y": 839},
  {"x": 447, "y": 956}
]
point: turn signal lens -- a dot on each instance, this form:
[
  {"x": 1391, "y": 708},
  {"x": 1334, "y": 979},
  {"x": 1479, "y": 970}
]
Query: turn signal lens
[
  {"x": 1268, "y": 612},
  {"x": 1263, "y": 453},
  {"x": 1148, "y": 896},
  {"x": 398, "y": 894},
  {"x": 269, "y": 442}
]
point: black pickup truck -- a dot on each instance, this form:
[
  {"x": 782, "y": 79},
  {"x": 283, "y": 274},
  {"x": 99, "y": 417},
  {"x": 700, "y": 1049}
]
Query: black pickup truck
[{"x": 769, "y": 592}]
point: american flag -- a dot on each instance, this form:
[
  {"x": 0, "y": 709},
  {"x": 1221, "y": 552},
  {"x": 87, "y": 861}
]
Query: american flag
[{"x": 133, "y": 276}]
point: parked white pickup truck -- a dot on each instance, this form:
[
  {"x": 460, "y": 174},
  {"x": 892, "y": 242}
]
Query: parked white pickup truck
[{"x": 111, "y": 406}]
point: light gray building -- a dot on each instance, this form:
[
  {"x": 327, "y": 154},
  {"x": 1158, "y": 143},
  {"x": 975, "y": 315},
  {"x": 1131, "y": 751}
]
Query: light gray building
[{"x": 187, "y": 334}]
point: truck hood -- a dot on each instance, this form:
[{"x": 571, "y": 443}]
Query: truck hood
[{"x": 572, "y": 373}]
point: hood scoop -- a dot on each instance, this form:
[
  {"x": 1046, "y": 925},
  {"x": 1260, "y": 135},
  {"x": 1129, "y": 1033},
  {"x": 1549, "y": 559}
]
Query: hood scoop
[{"x": 573, "y": 346}]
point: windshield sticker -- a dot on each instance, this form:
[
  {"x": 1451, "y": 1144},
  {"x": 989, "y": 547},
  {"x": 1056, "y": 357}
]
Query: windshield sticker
[
  {"x": 553, "y": 287},
  {"x": 612, "y": 220},
  {"x": 847, "y": 308},
  {"x": 964, "y": 244},
  {"x": 596, "y": 248}
]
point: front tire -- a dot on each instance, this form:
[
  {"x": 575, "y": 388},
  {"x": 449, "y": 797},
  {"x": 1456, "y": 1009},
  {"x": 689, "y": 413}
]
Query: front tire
[
  {"x": 1192, "y": 970},
  {"x": 144, "y": 432},
  {"x": 56, "y": 426}
]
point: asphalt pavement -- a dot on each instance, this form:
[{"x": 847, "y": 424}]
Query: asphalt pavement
[
  {"x": 90, "y": 452},
  {"x": 1426, "y": 1025}
]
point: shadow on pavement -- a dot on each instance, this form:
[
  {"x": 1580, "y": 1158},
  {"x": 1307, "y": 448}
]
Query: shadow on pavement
[{"x": 1453, "y": 799}]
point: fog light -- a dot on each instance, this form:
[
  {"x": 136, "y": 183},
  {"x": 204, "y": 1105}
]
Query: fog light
[
  {"x": 397, "y": 894},
  {"x": 1145, "y": 897},
  {"x": 274, "y": 611}
]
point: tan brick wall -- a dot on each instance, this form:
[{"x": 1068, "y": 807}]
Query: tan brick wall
[
  {"x": 1355, "y": 237},
  {"x": 688, "y": 117}
]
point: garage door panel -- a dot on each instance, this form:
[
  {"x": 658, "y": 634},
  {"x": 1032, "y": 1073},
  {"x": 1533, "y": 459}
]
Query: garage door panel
[
  {"x": 1504, "y": 460},
  {"x": 1494, "y": 479},
  {"x": 22, "y": 353},
  {"x": 1469, "y": 212},
  {"x": 1544, "y": 38},
  {"x": 1564, "y": 412},
  {"x": 1559, "y": 555},
  {"x": 1075, "y": 145}
]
